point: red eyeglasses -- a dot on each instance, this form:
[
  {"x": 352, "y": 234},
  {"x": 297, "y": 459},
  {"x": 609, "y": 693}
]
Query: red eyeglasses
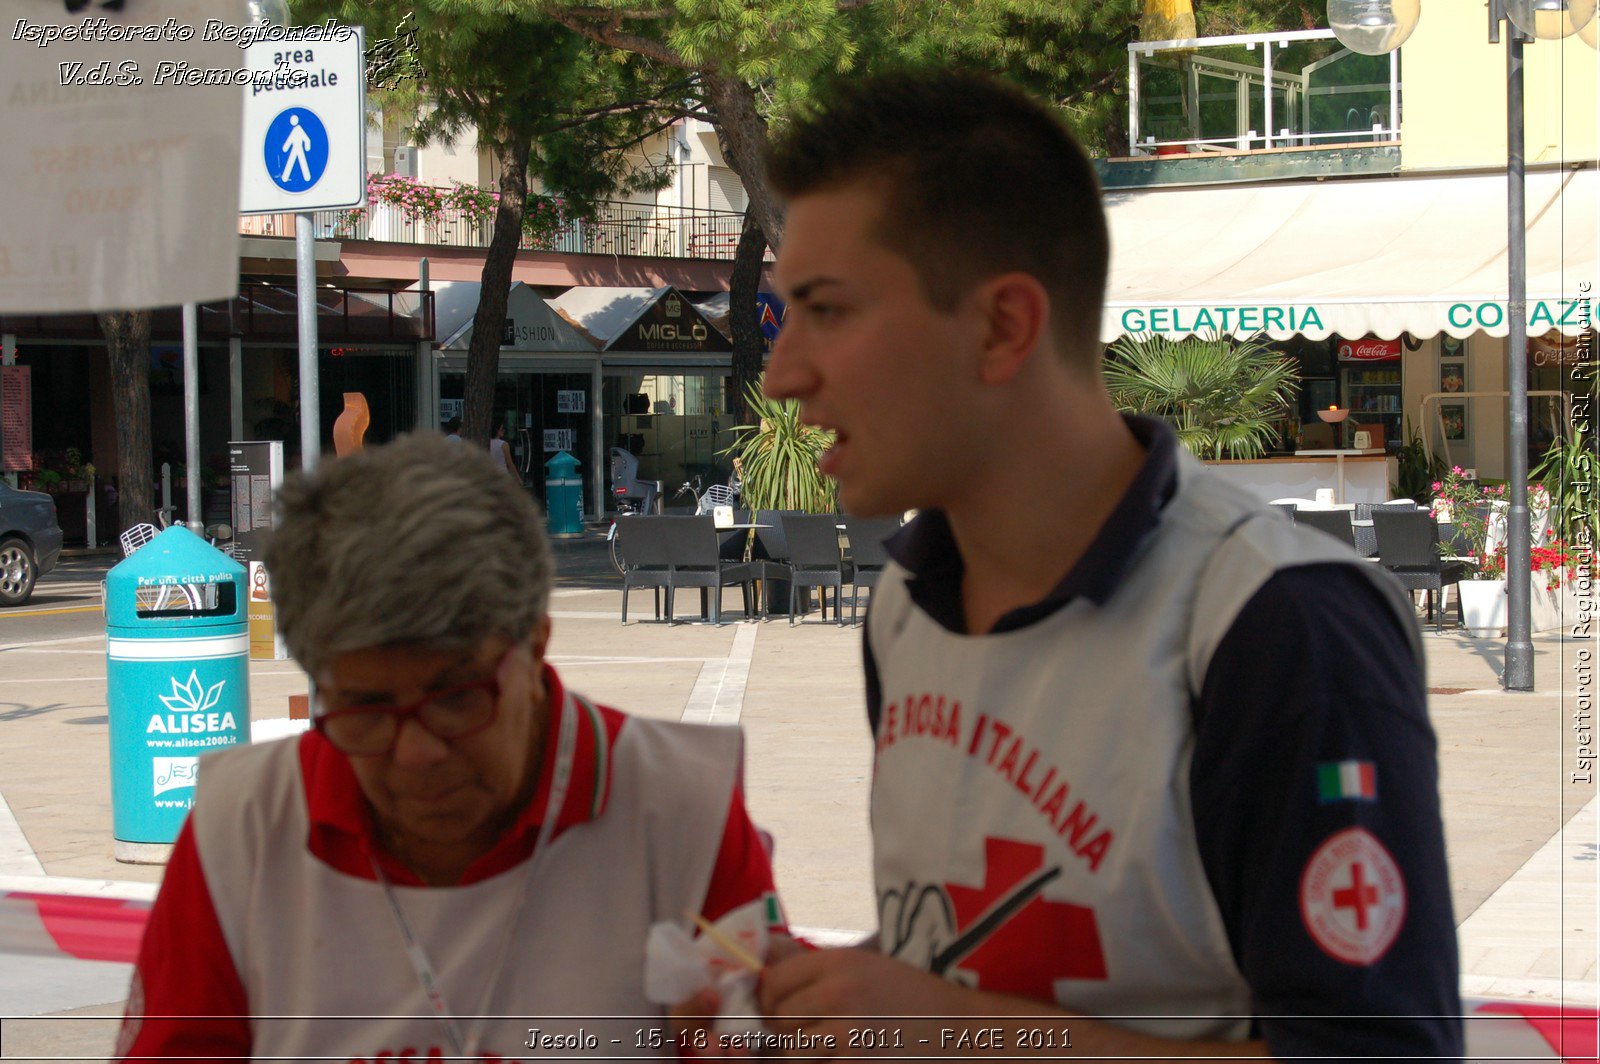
[{"x": 450, "y": 714}]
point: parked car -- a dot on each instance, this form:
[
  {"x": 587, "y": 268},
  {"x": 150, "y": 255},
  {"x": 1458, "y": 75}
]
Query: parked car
[{"x": 30, "y": 542}]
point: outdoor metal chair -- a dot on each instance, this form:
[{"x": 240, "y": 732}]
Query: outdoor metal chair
[
  {"x": 1408, "y": 546},
  {"x": 868, "y": 555},
  {"x": 815, "y": 561},
  {"x": 1364, "y": 509},
  {"x": 769, "y": 554},
  {"x": 694, "y": 560},
  {"x": 1335, "y": 523},
  {"x": 733, "y": 543},
  {"x": 646, "y": 560}
]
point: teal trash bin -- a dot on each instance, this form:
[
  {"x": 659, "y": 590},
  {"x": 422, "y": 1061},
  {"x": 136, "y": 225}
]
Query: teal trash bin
[
  {"x": 563, "y": 496},
  {"x": 177, "y": 682}
]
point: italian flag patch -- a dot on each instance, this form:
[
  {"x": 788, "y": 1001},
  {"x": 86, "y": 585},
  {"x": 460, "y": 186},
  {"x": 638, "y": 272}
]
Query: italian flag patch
[{"x": 1340, "y": 781}]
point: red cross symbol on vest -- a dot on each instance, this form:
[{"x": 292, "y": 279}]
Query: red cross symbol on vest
[
  {"x": 1353, "y": 897},
  {"x": 1012, "y": 939}
]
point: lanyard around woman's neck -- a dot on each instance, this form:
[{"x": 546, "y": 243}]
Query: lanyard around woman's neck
[{"x": 465, "y": 1044}]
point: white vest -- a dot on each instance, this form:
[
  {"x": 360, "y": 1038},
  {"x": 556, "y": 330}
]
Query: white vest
[
  {"x": 1032, "y": 787},
  {"x": 309, "y": 941}
]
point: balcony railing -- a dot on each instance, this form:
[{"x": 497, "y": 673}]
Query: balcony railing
[
  {"x": 1253, "y": 92},
  {"x": 265, "y": 312},
  {"x": 617, "y": 229}
]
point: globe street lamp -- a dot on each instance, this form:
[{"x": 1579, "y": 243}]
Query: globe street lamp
[
  {"x": 1373, "y": 27},
  {"x": 1385, "y": 21}
]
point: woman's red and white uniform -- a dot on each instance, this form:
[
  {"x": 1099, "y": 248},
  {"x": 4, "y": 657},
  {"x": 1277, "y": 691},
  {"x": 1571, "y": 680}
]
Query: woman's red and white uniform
[{"x": 273, "y": 936}]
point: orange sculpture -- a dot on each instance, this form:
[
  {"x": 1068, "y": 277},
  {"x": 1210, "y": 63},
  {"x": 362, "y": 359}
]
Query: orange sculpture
[{"x": 350, "y": 427}]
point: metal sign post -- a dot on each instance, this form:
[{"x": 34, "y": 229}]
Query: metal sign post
[
  {"x": 305, "y": 282},
  {"x": 305, "y": 150},
  {"x": 191, "y": 418}
]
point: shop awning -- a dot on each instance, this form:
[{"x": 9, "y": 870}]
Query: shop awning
[{"x": 1377, "y": 256}]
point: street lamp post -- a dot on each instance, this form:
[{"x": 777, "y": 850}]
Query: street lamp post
[
  {"x": 1518, "y": 674},
  {"x": 1377, "y": 26}
]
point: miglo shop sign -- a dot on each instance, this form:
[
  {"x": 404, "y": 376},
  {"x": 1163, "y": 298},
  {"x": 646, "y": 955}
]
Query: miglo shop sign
[{"x": 1571, "y": 315}]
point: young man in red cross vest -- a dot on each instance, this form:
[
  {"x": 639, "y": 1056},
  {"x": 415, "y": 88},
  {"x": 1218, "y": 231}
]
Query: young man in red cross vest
[{"x": 1153, "y": 765}]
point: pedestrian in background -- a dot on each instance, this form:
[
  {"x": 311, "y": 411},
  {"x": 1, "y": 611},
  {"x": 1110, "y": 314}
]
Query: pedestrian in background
[{"x": 500, "y": 451}]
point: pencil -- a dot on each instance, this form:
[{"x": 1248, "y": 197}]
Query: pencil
[{"x": 729, "y": 946}]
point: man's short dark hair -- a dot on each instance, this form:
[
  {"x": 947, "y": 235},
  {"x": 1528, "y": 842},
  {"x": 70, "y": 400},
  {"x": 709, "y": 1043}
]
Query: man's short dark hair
[
  {"x": 976, "y": 178},
  {"x": 453, "y": 425}
]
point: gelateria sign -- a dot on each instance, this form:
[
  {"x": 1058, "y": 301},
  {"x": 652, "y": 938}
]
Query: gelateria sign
[
  {"x": 1239, "y": 320},
  {"x": 1425, "y": 318}
]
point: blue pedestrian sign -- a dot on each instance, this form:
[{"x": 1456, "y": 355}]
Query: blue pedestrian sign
[
  {"x": 296, "y": 149},
  {"x": 305, "y": 123}
]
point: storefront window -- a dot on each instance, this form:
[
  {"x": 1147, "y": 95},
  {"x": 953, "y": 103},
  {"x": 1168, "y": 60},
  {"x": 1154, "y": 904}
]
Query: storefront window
[
  {"x": 271, "y": 393},
  {"x": 674, "y": 423},
  {"x": 544, "y": 412},
  {"x": 1556, "y": 363},
  {"x": 59, "y": 377}
]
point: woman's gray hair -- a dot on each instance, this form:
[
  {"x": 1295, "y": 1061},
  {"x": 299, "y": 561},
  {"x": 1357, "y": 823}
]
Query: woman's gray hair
[{"x": 416, "y": 541}]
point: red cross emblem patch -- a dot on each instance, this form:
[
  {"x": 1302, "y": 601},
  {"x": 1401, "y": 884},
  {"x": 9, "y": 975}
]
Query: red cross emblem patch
[{"x": 1352, "y": 897}]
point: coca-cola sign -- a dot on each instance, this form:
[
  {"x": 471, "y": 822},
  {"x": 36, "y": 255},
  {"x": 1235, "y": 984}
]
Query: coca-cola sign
[{"x": 1368, "y": 350}]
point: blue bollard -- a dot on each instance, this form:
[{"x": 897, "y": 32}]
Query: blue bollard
[{"x": 178, "y": 682}]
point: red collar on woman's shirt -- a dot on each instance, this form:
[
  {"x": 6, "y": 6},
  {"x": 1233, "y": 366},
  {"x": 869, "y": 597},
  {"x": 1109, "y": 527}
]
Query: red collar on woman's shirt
[{"x": 342, "y": 833}]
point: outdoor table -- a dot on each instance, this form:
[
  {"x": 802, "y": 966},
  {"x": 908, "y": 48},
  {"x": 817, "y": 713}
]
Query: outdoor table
[{"x": 1338, "y": 456}]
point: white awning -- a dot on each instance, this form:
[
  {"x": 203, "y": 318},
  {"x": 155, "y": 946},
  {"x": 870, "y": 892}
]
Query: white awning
[{"x": 1378, "y": 256}]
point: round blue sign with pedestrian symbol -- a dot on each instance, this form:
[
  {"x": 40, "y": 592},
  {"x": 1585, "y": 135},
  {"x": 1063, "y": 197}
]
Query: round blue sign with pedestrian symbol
[{"x": 296, "y": 150}]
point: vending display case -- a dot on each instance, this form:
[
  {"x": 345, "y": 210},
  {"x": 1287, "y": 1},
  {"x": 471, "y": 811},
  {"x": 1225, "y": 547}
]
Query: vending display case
[
  {"x": 1369, "y": 379},
  {"x": 1373, "y": 396}
]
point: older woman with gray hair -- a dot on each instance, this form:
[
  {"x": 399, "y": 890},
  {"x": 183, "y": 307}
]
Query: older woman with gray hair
[{"x": 461, "y": 844}]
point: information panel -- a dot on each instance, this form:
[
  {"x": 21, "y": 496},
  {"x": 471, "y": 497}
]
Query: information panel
[
  {"x": 256, "y": 468},
  {"x": 16, "y": 418}
]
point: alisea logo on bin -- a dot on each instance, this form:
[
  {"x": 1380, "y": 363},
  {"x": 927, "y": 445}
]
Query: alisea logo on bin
[{"x": 189, "y": 703}]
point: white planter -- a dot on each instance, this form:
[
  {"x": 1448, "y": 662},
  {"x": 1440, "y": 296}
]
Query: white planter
[
  {"x": 1483, "y": 605},
  {"x": 1552, "y": 609}
]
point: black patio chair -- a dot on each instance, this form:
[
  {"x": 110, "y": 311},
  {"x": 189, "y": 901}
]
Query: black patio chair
[
  {"x": 815, "y": 561},
  {"x": 695, "y": 561},
  {"x": 1335, "y": 523},
  {"x": 646, "y": 560},
  {"x": 731, "y": 542},
  {"x": 868, "y": 555},
  {"x": 1408, "y": 546},
  {"x": 769, "y": 555},
  {"x": 1364, "y": 509}
]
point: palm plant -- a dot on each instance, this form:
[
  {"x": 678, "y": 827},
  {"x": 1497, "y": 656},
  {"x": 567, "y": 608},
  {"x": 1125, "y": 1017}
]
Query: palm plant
[
  {"x": 1570, "y": 470},
  {"x": 1220, "y": 396},
  {"x": 779, "y": 456}
]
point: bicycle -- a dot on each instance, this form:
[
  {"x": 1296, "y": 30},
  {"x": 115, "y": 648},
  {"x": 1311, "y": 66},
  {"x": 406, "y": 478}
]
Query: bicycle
[{"x": 626, "y": 507}]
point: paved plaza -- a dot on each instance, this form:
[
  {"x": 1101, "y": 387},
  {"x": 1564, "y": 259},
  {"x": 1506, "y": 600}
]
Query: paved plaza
[{"x": 1521, "y": 835}]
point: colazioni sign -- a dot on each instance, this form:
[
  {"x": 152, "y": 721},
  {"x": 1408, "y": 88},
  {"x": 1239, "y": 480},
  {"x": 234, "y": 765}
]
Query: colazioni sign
[
  {"x": 1220, "y": 319},
  {"x": 1551, "y": 313}
]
